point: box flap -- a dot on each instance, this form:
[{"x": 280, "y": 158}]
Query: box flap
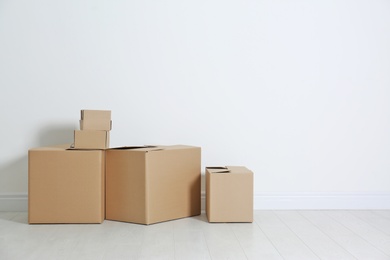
[
  {"x": 218, "y": 169},
  {"x": 153, "y": 148},
  {"x": 229, "y": 169},
  {"x": 177, "y": 146},
  {"x": 239, "y": 169},
  {"x": 144, "y": 148}
]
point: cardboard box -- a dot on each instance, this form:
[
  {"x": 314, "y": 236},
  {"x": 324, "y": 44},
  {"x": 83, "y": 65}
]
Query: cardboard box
[
  {"x": 95, "y": 120},
  {"x": 229, "y": 194},
  {"x": 152, "y": 184},
  {"x": 65, "y": 186},
  {"x": 91, "y": 139}
]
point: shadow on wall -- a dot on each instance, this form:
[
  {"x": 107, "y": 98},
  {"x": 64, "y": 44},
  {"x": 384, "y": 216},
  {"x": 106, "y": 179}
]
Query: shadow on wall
[
  {"x": 14, "y": 173},
  {"x": 56, "y": 134}
]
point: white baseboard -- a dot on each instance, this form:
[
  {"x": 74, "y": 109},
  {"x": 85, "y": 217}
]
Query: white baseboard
[
  {"x": 13, "y": 202},
  {"x": 318, "y": 200},
  {"x": 266, "y": 200}
]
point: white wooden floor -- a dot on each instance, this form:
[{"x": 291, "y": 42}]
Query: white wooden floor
[{"x": 274, "y": 235}]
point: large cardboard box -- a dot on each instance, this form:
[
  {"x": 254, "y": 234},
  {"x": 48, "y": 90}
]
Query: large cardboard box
[
  {"x": 65, "y": 186},
  {"x": 229, "y": 194},
  {"x": 147, "y": 185},
  {"x": 95, "y": 120},
  {"x": 91, "y": 139}
]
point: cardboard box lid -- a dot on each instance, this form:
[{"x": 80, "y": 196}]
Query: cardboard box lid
[
  {"x": 153, "y": 148},
  {"x": 95, "y": 114},
  {"x": 229, "y": 169}
]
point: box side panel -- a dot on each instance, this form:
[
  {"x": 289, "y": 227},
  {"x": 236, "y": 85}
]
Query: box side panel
[
  {"x": 95, "y": 120},
  {"x": 173, "y": 184},
  {"x": 66, "y": 186},
  {"x": 125, "y": 186},
  {"x": 91, "y": 139},
  {"x": 208, "y": 195},
  {"x": 96, "y": 114},
  {"x": 232, "y": 197},
  {"x": 30, "y": 170},
  {"x": 95, "y": 125},
  {"x": 103, "y": 187}
]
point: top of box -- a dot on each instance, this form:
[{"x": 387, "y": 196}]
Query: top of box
[
  {"x": 151, "y": 148},
  {"x": 95, "y": 114},
  {"x": 61, "y": 147},
  {"x": 228, "y": 169}
]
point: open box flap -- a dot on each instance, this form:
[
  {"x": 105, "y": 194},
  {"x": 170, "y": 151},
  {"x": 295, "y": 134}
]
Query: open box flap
[
  {"x": 145, "y": 148},
  {"x": 218, "y": 169}
]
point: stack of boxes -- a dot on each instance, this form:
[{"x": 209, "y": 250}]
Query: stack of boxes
[
  {"x": 67, "y": 184},
  {"x": 89, "y": 182},
  {"x": 94, "y": 133}
]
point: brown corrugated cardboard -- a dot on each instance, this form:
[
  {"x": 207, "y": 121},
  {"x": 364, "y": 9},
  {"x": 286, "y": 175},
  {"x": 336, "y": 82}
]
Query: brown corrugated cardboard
[
  {"x": 95, "y": 120},
  {"x": 65, "y": 186},
  {"x": 91, "y": 139},
  {"x": 229, "y": 194},
  {"x": 95, "y": 125},
  {"x": 104, "y": 115},
  {"x": 152, "y": 184}
]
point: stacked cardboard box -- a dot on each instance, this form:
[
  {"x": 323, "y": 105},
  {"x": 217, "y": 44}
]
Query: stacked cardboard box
[
  {"x": 67, "y": 183},
  {"x": 94, "y": 133}
]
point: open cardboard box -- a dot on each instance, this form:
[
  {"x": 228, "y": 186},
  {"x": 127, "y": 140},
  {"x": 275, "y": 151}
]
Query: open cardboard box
[{"x": 229, "y": 194}]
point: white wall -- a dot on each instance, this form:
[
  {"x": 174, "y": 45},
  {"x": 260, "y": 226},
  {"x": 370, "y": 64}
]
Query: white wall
[{"x": 298, "y": 91}]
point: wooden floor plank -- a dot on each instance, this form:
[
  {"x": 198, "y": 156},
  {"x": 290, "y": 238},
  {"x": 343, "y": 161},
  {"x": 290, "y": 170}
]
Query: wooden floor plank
[
  {"x": 340, "y": 235},
  {"x": 369, "y": 233},
  {"x": 350, "y": 241},
  {"x": 286, "y": 242},
  {"x": 321, "y": 244},
  {"x": 380, "y": 222},
  {"x": 254, "y": 242}
]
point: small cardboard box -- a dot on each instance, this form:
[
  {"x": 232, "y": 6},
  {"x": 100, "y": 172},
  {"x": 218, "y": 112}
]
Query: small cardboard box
[
  {"x": 91, "y": 139},
  {"x": 95, "y": 120},
  {"x": 229, "y": 194},
  {"x": 65, "y": 186},
  {"x": 152, "y": 184}
]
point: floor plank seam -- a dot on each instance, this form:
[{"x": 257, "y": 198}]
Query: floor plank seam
[
  {"x": 296, "y": 234},
  {"x": 270, "y": 240},
  {"x": 326, "y": 234},
  {"x": 370, "y": 224},
  {"x": 368, "y": 241},
  {"x": 234, "y": 233}
]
